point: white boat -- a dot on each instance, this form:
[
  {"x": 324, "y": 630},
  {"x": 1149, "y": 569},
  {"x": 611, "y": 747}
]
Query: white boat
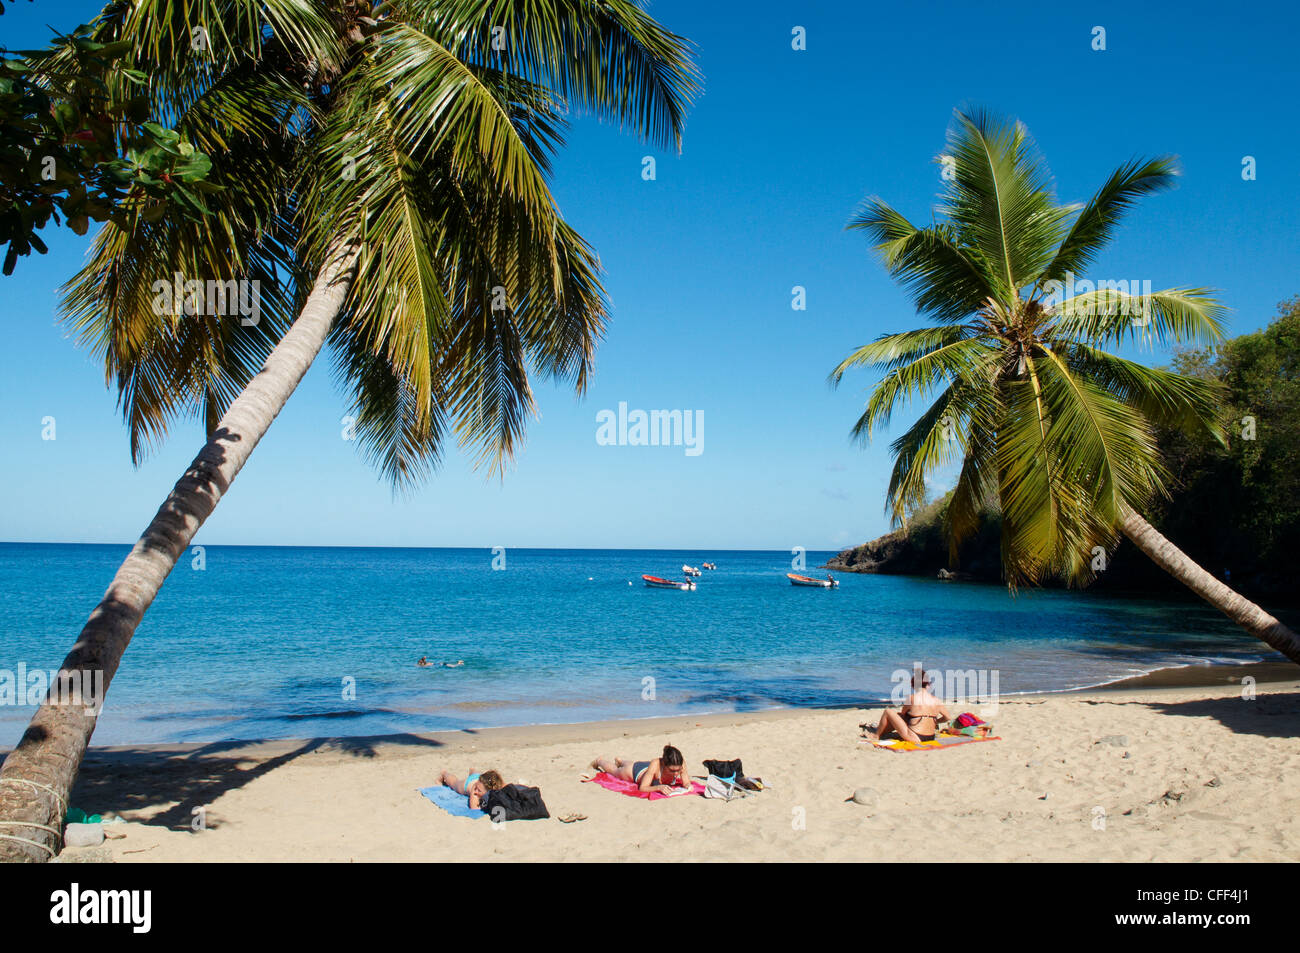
[
  {"x": 657, "y": 582},
  {"x": 691, "y": 570},
  {"x": 798, "y": 580}
]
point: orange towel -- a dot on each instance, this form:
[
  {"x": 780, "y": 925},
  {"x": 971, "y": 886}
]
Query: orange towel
[{"x": 939, "y": 743}]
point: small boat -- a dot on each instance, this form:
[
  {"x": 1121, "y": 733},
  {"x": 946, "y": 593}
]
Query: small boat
[
  {"x": 655, "y": 582},
  {"x": 709, "y": 565},
  {"x": 691, "y": 570},
  {"x": 798, "y": 580}
]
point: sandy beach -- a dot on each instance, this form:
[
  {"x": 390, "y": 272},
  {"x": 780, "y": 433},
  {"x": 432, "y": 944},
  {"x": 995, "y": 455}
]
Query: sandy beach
[{"x": 1152, "y": 770}]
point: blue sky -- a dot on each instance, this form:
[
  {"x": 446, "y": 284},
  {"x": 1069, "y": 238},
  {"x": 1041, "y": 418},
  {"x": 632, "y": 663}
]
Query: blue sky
[{"x": 700, "y": 263}]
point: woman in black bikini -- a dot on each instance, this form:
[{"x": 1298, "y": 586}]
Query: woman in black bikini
[
  {"x": 661, "y": 774},
  {"x": 918, "y": 718}
]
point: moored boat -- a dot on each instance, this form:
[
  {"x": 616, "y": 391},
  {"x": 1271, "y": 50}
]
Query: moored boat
[
  {"x": 691, "y": 570},
  {"x": 798, "y": 580},
  {"x": 709, "y": 565},
  {"x": 657, "y": 582}
]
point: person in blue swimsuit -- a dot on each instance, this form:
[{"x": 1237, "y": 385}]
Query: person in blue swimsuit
[{"x": 476, "y": 786}]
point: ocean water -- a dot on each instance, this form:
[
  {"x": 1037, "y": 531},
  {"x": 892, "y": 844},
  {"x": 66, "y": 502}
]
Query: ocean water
[{"x": 264, "y": 641}]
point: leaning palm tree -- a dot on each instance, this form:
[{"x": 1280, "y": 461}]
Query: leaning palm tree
[
  {"x": 381, "y": 172},
  {"x": 1054, "y": 433}
]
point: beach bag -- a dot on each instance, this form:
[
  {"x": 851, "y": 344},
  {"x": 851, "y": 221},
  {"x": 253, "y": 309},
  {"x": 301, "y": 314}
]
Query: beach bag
[
  {"x": 722, "y": 789},
  {"x": 727, "y": 770},
  {"x": 970, "y": 726},
  {"x": 724, "y": 779},
  {"x": 515, "y": 802}
]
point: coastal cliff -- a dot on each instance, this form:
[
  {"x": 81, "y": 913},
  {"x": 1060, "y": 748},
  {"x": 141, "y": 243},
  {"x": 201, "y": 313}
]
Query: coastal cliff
[{"x": 921, "y": 549}]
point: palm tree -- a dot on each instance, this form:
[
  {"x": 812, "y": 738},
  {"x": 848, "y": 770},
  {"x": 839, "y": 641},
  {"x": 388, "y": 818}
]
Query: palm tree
[
  {"x": 1054, "y": 433},
  {"x": 381, "y": 172}
]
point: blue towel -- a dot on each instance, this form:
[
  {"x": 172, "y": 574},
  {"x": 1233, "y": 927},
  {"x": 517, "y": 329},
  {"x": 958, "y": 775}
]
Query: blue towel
[{"x": 451, "y": 802}]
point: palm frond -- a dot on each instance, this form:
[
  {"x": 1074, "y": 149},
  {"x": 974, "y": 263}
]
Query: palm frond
[
  {"x": 171, "y": 365},
  {"x": 939, "y": 437},
  {"x": 1110, "y": 444},
  {"x": 962, "y": 357},
  {"x": 1040, "y": 509},
  {"x": 1113, "y": 316},
  {"x": 395, "y": 434},
  {"x": 975, "y": 493},
  {"x": 467, "y": 272},
  {"x": 947, "y": 281},
  {"x": 1000, "y": 201},
  {"x": 1190, "y": 404},
  {"x": 1096, "y": 223},
  {"x": 608, "y": 57},
  {"x": 889, "y": 352}
]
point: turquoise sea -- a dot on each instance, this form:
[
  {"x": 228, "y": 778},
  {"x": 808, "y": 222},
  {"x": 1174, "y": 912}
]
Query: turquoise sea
[{"x": 264, "y": 641}]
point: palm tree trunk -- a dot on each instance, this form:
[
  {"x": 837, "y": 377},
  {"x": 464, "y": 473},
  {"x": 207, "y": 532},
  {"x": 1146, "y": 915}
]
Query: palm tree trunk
[
  {"x": 1232, "y": 604},
  {"x": 38, "y": 774}
]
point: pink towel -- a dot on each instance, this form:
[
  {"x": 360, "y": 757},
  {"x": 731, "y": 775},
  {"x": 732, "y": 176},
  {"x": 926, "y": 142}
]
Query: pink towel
[{"x": 611, "y": 783}]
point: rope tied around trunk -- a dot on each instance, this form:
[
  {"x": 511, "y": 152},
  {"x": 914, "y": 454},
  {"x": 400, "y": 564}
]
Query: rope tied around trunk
[
  {"x": 58, "y": 798},
  {"x": 26, "y": 840},
  {"x": 58, "y": 801}
]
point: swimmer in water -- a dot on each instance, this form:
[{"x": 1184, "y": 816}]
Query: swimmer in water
[
  {"x": 453, "y": 664},
  {"x": 423, "y": 662}
]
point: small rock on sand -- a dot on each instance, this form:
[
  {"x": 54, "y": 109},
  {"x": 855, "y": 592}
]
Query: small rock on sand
[
  {"x": 867, "y": 797},
  {"x": 83, "y": 835}
]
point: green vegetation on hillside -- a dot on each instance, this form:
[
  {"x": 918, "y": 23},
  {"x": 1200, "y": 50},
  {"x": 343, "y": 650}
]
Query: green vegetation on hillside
[{"x": 1237, "y": 507}]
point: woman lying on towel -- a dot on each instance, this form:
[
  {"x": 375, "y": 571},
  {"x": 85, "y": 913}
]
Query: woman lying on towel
[
  {"x": 660, "y": 774},
  {"x": 476, "y": 786},
  {"x": 918, "y": 718}
]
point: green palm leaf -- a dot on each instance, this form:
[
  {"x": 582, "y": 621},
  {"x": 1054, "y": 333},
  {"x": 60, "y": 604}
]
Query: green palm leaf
[
  {"x": 947, "y": 281},
  {"x": 1113, "y": 316},
  {"x": 1000, "y": 201},
  {"x": 607, "y": 57},
  {"x": 1100, "y": 217}
]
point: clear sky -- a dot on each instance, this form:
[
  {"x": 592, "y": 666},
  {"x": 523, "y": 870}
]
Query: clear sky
[{"x": 700, "y": 264}]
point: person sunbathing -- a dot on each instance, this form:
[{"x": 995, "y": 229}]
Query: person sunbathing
[
  {"x": 660, "y": 774},
  {"x": 918, "y": 718},
  {"x": 476, "y": 786}
]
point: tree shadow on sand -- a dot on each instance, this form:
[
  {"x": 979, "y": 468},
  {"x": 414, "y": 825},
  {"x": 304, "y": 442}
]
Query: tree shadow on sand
[
  {"x": 131, "y": 780},
  {"x": 1272, "y": 715}
]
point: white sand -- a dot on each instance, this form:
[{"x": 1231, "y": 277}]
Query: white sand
[{"x": 1209, "y": 776}]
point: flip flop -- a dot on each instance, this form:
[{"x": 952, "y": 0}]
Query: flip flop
[{"x": 570, "y": 818}]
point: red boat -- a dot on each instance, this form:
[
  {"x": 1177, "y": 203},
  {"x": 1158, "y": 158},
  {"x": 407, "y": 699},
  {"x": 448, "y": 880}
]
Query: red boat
[
  {"x": 798, "y": 580},
  {"x": 656, "y": 582}
]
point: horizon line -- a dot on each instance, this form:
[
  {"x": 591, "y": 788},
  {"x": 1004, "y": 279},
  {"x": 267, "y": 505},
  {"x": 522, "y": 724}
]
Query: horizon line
[{"x": 633, "y": 549}]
